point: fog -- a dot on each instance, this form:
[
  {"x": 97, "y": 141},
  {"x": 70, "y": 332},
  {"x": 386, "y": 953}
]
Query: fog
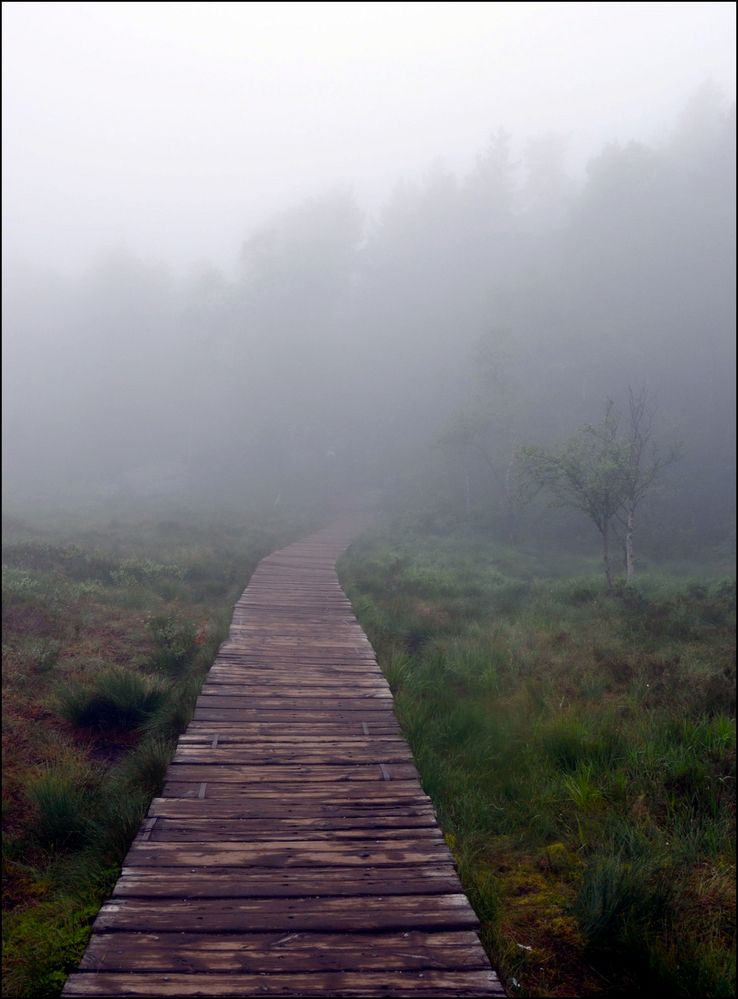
[{"x": 284, "y": 252}]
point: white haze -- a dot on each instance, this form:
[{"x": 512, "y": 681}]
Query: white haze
[
  {"x": 393, "y": 297},
  {"x": 176, "y": 129}
]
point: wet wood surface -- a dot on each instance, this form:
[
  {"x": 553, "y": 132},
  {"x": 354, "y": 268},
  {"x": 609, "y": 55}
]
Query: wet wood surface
[{"x": 293, "y": 851}]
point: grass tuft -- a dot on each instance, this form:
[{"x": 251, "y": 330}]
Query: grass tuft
[
  {"x": 116, "y": 699},
  {"x": 59, "y": 806}
]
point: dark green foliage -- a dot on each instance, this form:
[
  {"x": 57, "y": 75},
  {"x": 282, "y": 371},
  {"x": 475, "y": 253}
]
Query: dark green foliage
[
  {"x": 70, "y": 561},
  {"x": 116, "y": 699},
  {"x": 43, "y": 944},
  {"x": 59, "y": 803},
  {"x": 694, "y": 612},
  {"x": 578, "y": 747},
  {"x": 620, "y": 896},
  {"x": 117, "y": 817},
  {"x": 174, "y": 639},
  {"x": 145, "y": 768}
]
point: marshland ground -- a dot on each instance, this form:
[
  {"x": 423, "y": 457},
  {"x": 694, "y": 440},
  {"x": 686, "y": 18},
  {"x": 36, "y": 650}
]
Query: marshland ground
[
  {"x": 476, "y": 260},
  {"x": 578, "y": 743}
]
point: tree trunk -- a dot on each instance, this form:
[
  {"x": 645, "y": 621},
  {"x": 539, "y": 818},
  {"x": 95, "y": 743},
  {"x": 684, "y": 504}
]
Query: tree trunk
[
  {"x": 629, "y": 556},
  {"x": 606, "y": 553}
]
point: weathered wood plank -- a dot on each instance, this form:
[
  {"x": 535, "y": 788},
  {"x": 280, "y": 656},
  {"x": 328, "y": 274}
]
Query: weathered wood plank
[
  {"x": 388, "y": 791},
  {"x": 307, "y": 755},
  {"x": 243, "y": 773},
  {"x": 233, "y": 830},
  {"x": 362, "y": 983},
  {"x": 286, "y": 739},
  {"x": 305, "y": 702},
  {"x": 275, "y": 952},
  {"x": 327, "y": 915},
  {"x": 367, "y": 853},
  {"x": 289, "y": 717},
  {"x": 309, "y": 811},
  {"x": 356, "y": 727},
  {"x": 251, "y": 882},
  {"x": 293, "y": 850}
]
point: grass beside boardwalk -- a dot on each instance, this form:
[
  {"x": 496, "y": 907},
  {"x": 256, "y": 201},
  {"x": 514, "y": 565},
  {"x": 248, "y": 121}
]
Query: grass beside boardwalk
[
  {"x": 108, "y": 629},
  {"x": 579, "y": 748}
]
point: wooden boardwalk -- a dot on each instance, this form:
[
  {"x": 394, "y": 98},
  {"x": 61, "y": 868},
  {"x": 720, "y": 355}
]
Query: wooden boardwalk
[{"x": 293, "y": 851}]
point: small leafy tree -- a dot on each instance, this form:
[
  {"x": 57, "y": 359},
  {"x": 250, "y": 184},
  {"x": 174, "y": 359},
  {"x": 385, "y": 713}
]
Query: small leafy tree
[
  {"x": 603, "y": 472},
  {"x": 585, "y": 473}
]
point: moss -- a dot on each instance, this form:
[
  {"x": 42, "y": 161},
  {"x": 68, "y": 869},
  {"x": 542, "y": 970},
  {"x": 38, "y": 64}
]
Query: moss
[
  {"x": 43, "y": 944},
  {"x": 559, "y": 858}
]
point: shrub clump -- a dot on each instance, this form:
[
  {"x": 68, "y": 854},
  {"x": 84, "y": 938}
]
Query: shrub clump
[
  {"x": 59, "y": 803},
  {"x": 175, "y": 641},
  {"x": 118, "y": 698}
]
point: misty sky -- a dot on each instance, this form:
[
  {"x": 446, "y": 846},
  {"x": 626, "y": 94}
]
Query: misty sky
[{"x": 176, "y": 128}]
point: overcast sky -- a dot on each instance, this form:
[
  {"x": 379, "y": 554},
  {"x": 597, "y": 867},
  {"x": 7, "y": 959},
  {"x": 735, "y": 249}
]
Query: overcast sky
[{"x": 176, "y": 128}]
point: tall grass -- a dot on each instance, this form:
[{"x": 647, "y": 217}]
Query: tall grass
[
  {"x": 58, "y": 801},
  {"x": 108, "y": 629},
  {"x": 579, "y": 747},
  {"x": 117, "y": 698}
]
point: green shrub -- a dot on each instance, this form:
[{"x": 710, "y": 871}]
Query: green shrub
[
  {"x": 619, "y": 895},
  {"x": 45, "y": 654},
  {"x": 118, "y": 698},
  {"x": 174, "y": 716},
  {"x": 146, "y": 767},
  {"x": 43, "y": 944},
  {"x": 175, "y": 643},
  {"x": 59, "y": 803},
  {"x": 117, "y": 819}
]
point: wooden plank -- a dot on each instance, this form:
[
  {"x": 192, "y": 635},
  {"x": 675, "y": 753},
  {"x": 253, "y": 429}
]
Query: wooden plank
[
  {"x": 233, "y": 830},
  {"x": 239, "y": 882},
  {"x": 269, "y": 702},
  {"x": 367, "y": 984},
  {"x": 308, "y": 755},
  {"x": 281, "y": 854},
  {"x": 395, "y": 791},
  {"x": 272, "y": 715},
  {"x": 243, "y": 773},
  {"x": 299, "y": 690},
  {"x": 293, "y": 850},
  {"x": 308, "y": 810},
  {"x": 277, "y": 952},
  {"x": 305, "y": 680},
  {"x": 252, "y": 729},
  {"x": 325, "y": 915},
  {"x": 286, "y": 739},
  {"x": 294, "y": 658}
]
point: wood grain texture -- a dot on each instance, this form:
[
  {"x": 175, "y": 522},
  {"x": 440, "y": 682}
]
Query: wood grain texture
[{"x": 293, "y": 851}]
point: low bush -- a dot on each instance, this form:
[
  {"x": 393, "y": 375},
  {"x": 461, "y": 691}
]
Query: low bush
[
  {"x": 175, "y": 641},
  {"x": 115, "y": 699},
  {"x": 146, "y": 767},
  {"x": 43, "y": 944},
  {"x": 58, "y": 801}
]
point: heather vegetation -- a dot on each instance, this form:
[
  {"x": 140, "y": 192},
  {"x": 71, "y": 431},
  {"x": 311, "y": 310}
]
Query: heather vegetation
[
  {"x": 110, "y": 621},
  {"x": 579, "y": 745}
]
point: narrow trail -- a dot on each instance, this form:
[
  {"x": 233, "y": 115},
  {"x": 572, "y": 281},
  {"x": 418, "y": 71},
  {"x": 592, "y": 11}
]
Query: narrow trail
[{"x": 293, "y": 851}]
